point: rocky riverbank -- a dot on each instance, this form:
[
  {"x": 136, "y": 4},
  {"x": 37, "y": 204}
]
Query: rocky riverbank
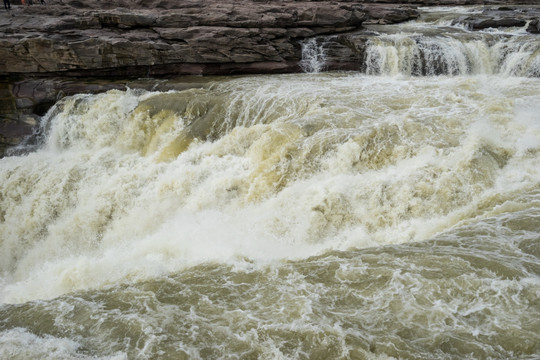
[{"x": 49, "y": 51}]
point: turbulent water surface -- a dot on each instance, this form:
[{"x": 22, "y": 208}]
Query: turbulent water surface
[{"x": 321, "y": 216}]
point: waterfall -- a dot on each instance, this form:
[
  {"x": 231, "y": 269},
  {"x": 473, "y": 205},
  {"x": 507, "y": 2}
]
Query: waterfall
[
  {"x": 448, "y": 55},
  {"x": 313, "y": 56},
  {"x": 336, "y": 215},
  {"x": 440, "y": 42}
]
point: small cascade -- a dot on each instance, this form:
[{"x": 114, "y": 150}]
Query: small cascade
[
  {"x": 313, "y": 56},
  {"x": 449, "y": 55},
  {"x": 442, "y": 41}
]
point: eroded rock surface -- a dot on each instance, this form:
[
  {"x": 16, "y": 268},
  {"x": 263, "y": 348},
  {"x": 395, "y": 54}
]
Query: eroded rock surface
[{"x": 148, "y": 37}]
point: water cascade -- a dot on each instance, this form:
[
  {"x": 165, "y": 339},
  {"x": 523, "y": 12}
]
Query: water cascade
[
  {"x": 419, "y": 55},
  {"x": 313, "y": 56},
  {"x": 435, "y": 44},
  {"x": 340, "y": 215}
]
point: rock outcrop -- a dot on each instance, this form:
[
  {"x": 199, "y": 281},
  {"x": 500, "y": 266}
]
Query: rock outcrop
[
  {"x": 503, "y": 16},
  {"x": 162, "y": 37}
]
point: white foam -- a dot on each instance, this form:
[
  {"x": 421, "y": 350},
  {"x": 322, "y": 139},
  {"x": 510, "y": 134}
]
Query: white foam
[
  {"x": 411, "y": 54},
  {"x": 20, "y": 344},
  {"x": 349, "y": 161}
]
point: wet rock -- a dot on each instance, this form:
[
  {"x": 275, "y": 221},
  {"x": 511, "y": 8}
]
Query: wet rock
[
  {"x": 484, "y": 22},
  {"x": 534, "y": 26},
  {"x": 390, "y": 14}
]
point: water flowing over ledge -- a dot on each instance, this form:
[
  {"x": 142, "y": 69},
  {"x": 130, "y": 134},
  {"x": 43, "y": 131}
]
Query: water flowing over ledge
[
  {"x": 440, "y": 42},
  {"x": 369, "y": 160},
  {"x": 388, "y": 212},
  {"x": 262, "y": 201}
]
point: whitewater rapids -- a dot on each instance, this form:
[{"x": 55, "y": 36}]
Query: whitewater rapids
[
  {"x": 329, "y": 216},
  {"x": 131, "y": 185}
]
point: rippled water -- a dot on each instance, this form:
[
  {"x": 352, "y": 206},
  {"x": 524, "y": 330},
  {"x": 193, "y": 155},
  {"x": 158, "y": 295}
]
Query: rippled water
[{"x": 318, "y": 216}]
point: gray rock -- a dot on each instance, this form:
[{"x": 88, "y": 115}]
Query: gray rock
[{"x": 44, "y": 50}]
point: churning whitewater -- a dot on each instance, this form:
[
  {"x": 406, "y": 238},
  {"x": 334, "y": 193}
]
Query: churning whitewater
[
  {"x": 241, "y": 175},
  {"x": 131, "y": 185},
  {"x": 338, "y": 215}
]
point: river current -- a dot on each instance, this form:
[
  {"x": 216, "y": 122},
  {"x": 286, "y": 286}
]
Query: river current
[{"x": 360, "y": 215}]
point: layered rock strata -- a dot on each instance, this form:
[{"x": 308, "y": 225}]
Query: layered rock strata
[{"x": 183, "y": 37}]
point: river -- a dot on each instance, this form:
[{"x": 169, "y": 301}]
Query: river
[{"x": 388, "y": 213}]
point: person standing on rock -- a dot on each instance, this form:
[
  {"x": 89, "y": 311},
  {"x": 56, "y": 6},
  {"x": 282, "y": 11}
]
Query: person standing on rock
[{"x": 7, "y": 4}]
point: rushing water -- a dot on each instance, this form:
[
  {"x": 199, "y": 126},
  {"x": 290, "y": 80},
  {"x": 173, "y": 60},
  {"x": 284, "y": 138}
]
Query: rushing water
[
  {"x": 438, "y": 43},
  {"x": 319, "y": 216}
]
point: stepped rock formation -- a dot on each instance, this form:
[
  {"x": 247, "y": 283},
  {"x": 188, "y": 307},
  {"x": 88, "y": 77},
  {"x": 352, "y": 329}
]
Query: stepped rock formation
[
  {"x": 193, "y": 37},
  {"x": 47, "y": 52}
]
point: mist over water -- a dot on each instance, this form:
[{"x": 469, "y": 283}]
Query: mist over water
[{"x": 337, "y": 215}]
